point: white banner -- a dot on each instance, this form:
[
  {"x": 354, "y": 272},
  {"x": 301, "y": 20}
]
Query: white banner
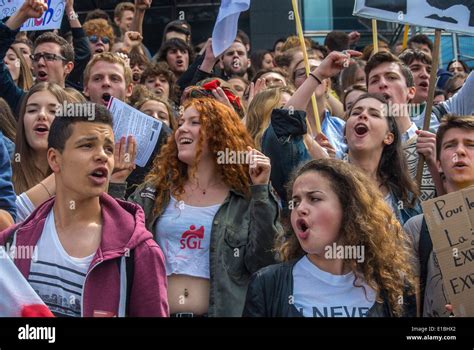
[
  {"x": 16, "y": 294},
  {"x": 449, "y": 15},
  {"x": 51, "y": 18}
]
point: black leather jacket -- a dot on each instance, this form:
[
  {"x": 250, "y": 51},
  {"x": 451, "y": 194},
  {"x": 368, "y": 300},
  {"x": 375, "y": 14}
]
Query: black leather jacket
[{"x": 271, "y": 288}]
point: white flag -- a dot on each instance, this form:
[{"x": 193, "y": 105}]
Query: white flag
[
  {"x": 17, "y": 297},
  {"x": 225, "y": 29}
]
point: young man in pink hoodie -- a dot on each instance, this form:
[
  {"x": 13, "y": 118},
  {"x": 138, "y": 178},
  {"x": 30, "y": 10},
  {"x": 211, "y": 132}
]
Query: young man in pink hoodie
[{"x": 92, "y": 254}]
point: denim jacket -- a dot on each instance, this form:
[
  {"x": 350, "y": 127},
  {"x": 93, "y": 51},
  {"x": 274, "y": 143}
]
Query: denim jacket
[
  {"x": 283, "y": 143},
  {"x": 242, "y": 238}
]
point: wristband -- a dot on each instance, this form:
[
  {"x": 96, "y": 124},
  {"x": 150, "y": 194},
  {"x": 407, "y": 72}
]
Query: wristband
[
  {"x": 315, "y": 77},
  {"x": 73, "y": 16}
]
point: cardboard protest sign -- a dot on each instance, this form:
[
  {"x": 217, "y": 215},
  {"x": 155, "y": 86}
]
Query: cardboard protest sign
[
  {"x": 449, "y": 15},
  {"x": 450, "y": 220},
  {"x": 51, "y": 18}
]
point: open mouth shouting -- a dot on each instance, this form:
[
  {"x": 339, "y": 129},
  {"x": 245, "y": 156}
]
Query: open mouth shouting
[
  {"x": 180, "y": 63},
  {"x": 361, "y": 129},
  {"x": 42, "y": 75},
  {"x": 41, "y": 129},
  {"x": 99, "y": 176},
  {"x": 106, "y": 98},
  {"x": 99, "y": 48},
  {"x": 136, "y": 77},
  {"x": 424, "y": 85},
  {"x": 302, "y": 229}
]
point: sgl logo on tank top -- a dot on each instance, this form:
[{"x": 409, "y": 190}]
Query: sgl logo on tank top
[{"x": 191, "y": 239}]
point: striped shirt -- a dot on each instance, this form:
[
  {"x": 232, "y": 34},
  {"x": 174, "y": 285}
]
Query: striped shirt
[{"x": 57, "y": 277}]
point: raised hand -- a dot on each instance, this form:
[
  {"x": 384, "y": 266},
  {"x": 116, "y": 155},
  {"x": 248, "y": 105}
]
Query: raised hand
[
  {"x": 259, "y": 86},
  {"x": 33, "y": 8},
  {"x": 124, "y": 157},
  {"x": 132, "y": 39},
  {"x": 142, "y": 4},
  {"x": 426, "y": 145},
  {"x": 260, "y": 167},
  {"x": 334, "y": 63},
  {"x": 29, "y": 9}
]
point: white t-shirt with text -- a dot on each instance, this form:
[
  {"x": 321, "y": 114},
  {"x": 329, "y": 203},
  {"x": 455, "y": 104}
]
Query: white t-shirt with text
[{"x": 317, "y": 293}]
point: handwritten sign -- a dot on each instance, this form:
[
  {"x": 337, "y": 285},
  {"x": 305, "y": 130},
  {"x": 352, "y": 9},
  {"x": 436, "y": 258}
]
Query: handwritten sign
[
  {"x": 51, "y": 18},
  {"x": 450, "y": 15},
  {"x": 450, "y": 220}
]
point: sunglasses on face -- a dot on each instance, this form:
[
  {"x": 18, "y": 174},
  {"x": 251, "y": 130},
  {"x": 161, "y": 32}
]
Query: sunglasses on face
[
  {"x": 47, "y": 56},
  {"x": 95, "y": 39}
]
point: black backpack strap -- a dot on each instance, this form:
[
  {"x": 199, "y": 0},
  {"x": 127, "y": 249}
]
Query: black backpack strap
[{"x": 425, "y": 247}]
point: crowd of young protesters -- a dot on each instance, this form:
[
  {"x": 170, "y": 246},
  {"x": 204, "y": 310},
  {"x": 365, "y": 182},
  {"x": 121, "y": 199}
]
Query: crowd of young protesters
[{"x": 249, "y": 191}]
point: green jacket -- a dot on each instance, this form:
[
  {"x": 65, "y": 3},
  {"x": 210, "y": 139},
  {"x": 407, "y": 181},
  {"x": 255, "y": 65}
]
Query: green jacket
[{"x": 242, "y": 237}]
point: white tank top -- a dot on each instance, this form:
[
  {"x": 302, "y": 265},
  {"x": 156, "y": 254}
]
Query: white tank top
[{"x": 184, "y": 234}]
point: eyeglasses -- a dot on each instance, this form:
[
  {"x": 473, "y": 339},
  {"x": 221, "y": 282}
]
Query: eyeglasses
[
  {"x": 94, "y": 39},
  {"x": 47, "y": 56}
]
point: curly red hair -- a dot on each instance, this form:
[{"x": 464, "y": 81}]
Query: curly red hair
[{"x": 222, "y": 128}]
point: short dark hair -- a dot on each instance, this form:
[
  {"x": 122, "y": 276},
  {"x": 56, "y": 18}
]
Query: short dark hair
[
  {"x": 409, "y": 56},
  {"x": 136, "y": 57},
  {"x": 61, "y": 128},
  {"x": 387, "y": 57},
  {"x": 179, "y": 26},
  {"x": 161, "y": 68},
  {"x": 175, "y": 43},
  {"x": 97, "y": 13},
  {"x": 66, "y": 49},
  {"x": 257, "y": 57},
  {"x": 279, "y": 40},
  {"x": 242, "y": 37},
  {"x": 451, "y": 121},
  {"x": 337, "y": 41},
  {"x": 421, "y": 39}
]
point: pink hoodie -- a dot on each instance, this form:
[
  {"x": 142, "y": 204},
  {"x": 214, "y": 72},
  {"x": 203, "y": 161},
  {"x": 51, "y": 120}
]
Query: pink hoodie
[{"x": 104, "y": 288}]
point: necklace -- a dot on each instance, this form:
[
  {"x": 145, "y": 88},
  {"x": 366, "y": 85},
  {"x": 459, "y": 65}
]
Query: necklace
[{"x": 204, "y": 190}]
